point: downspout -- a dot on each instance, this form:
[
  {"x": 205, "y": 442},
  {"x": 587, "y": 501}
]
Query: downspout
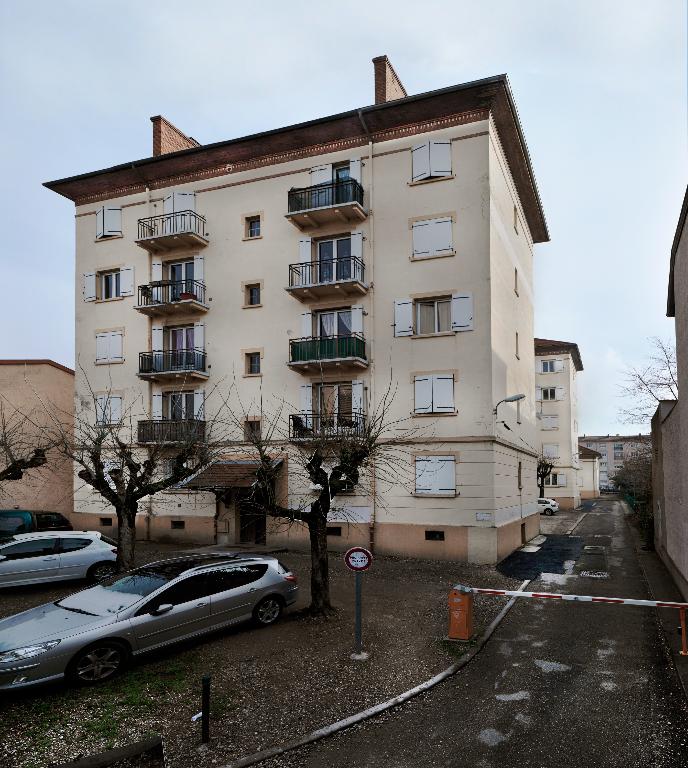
[{"x": 371, "y": 323}]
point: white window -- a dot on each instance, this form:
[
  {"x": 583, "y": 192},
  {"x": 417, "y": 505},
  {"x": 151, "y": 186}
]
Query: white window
[
  {"x": 550, "y": 450},
  {"x": 108, "y": 222},
  {"x": 556, "y": 479},
  {"x": 108, "y": 284},
  {"x": 549, "y": 422},
  {"x": 432, "y": 159},
  {"x": 433, "y": 315},
  {"x": 436, "y": 475},
  {"x": 547, "y": 366},
  {"x": 109, "y": 347},
  {"x": 434, "y": 393},
  {"x": 432, "y": 237},
  {"x": 546, "y": 393},
  {"x": 108, "y": 409}
]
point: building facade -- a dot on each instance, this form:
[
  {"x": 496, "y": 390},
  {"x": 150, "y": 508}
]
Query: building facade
[
  {"x": 589, "y": 473},
  {"x": 614, "y": 450},
  {"x": 39, "y": 391},
  {"x": 312, "y": 266},
  {"x": 557, "y": 363}
]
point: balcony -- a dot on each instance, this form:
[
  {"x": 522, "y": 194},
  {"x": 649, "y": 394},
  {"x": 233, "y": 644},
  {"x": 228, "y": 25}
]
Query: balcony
[
  {"x": 171, "y": 431},
  {"x": 330, "y": 278},
  {"x": 328, "y": 352},
  {"x": 182, "y": 229},
  {"x": 316, "y": 426},
  {"x": 168, "y": 297},
  {"x": 172, "y": 364},
  {"x": 339, "y": 201}
]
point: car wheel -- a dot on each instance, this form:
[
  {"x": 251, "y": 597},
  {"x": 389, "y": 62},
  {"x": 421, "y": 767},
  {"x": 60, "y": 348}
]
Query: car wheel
[
  {"x": 267, "y": 611},
  {"x": 100, "y": 571},
  {"x": 549, "y": 512},
  {"x": 97, "y": 663}
]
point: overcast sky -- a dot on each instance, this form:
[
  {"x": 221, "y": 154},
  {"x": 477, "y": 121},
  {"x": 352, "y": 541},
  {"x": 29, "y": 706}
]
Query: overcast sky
[{"x": 600, "y": 87}]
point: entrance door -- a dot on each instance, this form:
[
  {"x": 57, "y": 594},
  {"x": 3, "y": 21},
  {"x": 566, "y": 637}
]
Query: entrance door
[{"x": 252, "y": 523}]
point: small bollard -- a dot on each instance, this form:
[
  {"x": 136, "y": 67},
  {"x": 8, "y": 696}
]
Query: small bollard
[
  {"x": 460, "y": 613},
  {"x": 205, "y": 709}
]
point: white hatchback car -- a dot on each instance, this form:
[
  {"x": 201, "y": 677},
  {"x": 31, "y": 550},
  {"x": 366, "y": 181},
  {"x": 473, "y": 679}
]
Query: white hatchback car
[
  {"x": 548, "y": 506},
  {"x": 30, "y": 558}
]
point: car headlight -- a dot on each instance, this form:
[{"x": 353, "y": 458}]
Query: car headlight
[{"x": 28, "y": 652}]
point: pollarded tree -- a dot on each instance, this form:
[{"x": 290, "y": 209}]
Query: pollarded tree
[
  {"x": 23, "y": 444},
  {"x": 545, "y": 466}
]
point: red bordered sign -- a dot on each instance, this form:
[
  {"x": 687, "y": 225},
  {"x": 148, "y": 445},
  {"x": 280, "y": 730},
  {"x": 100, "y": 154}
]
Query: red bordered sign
[{"x": 358, "y": 559}]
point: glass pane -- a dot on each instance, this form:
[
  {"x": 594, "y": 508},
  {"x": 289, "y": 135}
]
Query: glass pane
[
  {"x": 344, "y": 259},
  {"x": 341, "y": 173},
  {"x": 425, "y": 317},
  {"x": 344, "y": 323},
  {"x": 326, "y": 324},
  {"x": 189, "y": 405},
  {"x": 344, "y": 404},
  {"x": 176, "y": 406},
  {"x": 189, "y": 336},
  {"x": 325, "y": 256},
  {"x": 444, "y": 315}
]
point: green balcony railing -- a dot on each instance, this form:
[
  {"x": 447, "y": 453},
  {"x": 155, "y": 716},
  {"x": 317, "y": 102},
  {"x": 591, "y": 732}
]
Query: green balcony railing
[{"x": 314, "y": 349}]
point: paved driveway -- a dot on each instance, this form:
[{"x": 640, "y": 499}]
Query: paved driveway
[{"x": 559, "y": 684}]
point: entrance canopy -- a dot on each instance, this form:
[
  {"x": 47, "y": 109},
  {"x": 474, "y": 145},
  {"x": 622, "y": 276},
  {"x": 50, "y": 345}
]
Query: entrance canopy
[{"x": 225, "y": 474}]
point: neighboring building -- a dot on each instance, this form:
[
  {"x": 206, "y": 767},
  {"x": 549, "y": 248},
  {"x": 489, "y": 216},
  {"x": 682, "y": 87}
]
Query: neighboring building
[
  {"x": 670, "y": 427},
  {"x": 307, "y": 265},
  {"x": 41, "y": 390},
  {"x": 613, "y": 450},
  {"x": 557, "y": 364},
  {"x": 589, "y": 473}
]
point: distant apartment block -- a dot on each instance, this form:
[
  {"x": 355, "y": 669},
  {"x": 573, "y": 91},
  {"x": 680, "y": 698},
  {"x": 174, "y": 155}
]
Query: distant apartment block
[
  {"x": 309, "y": 265},
  {"x": 589, "y": 473},
  {"x": 613, "y": 450}
]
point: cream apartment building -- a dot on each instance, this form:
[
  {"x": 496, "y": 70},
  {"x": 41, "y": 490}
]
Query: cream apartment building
[
  {"x": 313, "y": 265},
  {"x": 614, "y": 450},
  {"x": 557, "y": 364}
]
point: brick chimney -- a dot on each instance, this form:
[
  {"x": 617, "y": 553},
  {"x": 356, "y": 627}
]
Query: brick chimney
[
  {"x": 388, "y": 86},
  {"x": 168, "y": 138}
]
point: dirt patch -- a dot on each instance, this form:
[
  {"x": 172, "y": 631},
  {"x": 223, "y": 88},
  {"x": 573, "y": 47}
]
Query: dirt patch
[{"x": 268, "y": 685}]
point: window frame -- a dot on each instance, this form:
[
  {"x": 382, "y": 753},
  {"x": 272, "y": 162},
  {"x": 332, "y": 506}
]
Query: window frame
[
  {"x": 250, "y": 221},
  {"x": 250, "y": 357},
  {"x": 435, "y": 301}
]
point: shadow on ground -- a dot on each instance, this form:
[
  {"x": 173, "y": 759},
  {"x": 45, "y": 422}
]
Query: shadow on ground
[{"x": 550, "y": 558}]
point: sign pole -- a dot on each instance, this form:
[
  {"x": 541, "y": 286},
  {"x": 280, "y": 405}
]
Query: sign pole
[
  {"x": 358, "y": 641},
  {"x": 358, "y": 559}
]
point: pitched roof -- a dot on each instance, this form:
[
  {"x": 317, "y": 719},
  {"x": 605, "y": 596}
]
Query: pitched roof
[
  {"x": 429, "y": 111},
  {"x": 38, "y": 362},
  {"x": 671, "y": 304},
  {"x": 223, "y": 474},
  {"x": 588, "y": 453},
  {"x": 553, "y": 347}
]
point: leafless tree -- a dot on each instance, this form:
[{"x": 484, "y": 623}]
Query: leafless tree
[
  {"x": 23, "y": 445},
  {"x": 644, "y": 387},
  {"x": 545, "y": 466}
]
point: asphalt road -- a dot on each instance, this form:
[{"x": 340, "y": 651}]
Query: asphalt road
[{"x": 559, "y": 684}]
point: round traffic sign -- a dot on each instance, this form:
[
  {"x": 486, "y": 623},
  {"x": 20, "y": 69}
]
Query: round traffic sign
[{"x": 358, "y": 559}]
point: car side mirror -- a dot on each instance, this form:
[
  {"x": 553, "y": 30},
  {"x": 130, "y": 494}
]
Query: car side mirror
[{"x": 161, "y": 609}]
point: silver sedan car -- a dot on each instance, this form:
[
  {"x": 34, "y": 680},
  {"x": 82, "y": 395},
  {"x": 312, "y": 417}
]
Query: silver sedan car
[{"x": 89, "y": 636}]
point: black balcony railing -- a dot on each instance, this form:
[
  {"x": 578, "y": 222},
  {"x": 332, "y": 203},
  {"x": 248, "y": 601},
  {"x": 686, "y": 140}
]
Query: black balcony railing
[
  {"x": 325, "y": 195},
  {"x": 326, "y": 271},
  {"x": 171, "y": 291},
  {"x": 303, "y": 426},
  {"x": 320, "y": 348},
  {"x": 172, "y": 361},
  {"x": 171, "y": 431},
  {"x": 178, "y": 223}
]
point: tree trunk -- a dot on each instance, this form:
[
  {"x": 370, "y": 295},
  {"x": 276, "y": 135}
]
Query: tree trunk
[
  {"x": 126, "y": 539},
  {"x": 320, "y": 575},
  {"x": 542, "y": 488}
]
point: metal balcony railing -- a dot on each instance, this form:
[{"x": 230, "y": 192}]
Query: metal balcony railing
[
  {"x": 171, "y": 431},
  {"x": 326, "y": 271},
  {"x": 307, "y": 425},
  {"x": 170, "y": 291},
  {"x": 325, "y": 195},
  {"x": 172, "y": 361},
  {"x": 313, "y": 349},
  {"x": 177, "y": 223}
]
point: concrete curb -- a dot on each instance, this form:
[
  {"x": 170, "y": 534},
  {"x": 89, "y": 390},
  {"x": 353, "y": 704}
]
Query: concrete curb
[{"x": 366, "y": 714}]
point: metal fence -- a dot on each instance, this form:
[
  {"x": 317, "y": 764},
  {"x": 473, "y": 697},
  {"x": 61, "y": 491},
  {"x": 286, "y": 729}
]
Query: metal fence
[
  {"x": 170, "y": 431},
  {"x": 179, "y": 222},
  {"x": 326, "y": 271},
  {"x": 327, "y": 348},
  {"x": 170, "y": 291},
  {"x": 171, "y": 361},
  {"x": 317, "y": 425},
  {"x": 325, "y": 195}
]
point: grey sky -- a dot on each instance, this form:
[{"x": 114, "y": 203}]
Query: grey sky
[{"x": 600, "y": 87}]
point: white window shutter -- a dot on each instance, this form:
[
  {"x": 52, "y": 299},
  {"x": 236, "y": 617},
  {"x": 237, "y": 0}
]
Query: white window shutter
[
  {"x": 156, "y": 271},
  {"x": 305, "y": 259},
  {"x": 550, "y": 450},
  {"x": 357, "y": 319},
  {"x": 306, "y": 393},
  {"x": 443, "y": 394},
  {"x": 156, "y": 406},
  {"x": 168, "y": 204},
  {"x": 100, "y": 222},
  {"x": 199, "y": 336},
  {"x": 199, "y": 271},
  {"x": 321, "y": 174},
  {"x": 115, "y": 352},
  {"x": 561, "y": 479},
  {"x": 306, "y": 325},
  {"x": 420, "y": 161},
  {"x": 357, "y": 252},
  {"x": 423, "y": 394},
  {"x": 462, "y": 312},
  {"x": 440, "y": 158},
  {"x": 558, "y": 366},
  {"x": 199, "y": 404},
  {"x": 422, "y": 239},
  {"x": 561, "y": 393},
  {"x": 115, "y": 410},
  {"x": 126, "y": 281},
  {"x": 538, "y": 393},
  {"x": 357, "y": 397},
  {"x": 445, "y": 475},
  {"x": 112, "y": 221},
  {"x": 441, "y": 240},
  {"x": 90, "y": 286},
  {"x": 183, "y": 201},
  {"x": 403, "y": 317},
  {"x": 355, "y": 170},
  {"x": 102, "y": 347},
  {"x": 424, "y": 474},
  {"x": 538, "y": 366},
  {"x": 157, "y": 338}
]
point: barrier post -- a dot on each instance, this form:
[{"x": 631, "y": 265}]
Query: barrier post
[
  {"x": 460, "y": 613},
  {"x": 684, "y": 646}
]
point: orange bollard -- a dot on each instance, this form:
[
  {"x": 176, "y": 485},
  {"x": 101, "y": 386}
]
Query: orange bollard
[{"x": 460, "y": 615}]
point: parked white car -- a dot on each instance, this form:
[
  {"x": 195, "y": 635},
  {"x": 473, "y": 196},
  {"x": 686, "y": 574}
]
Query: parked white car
[
  {"x": 548, "y": 506},
  {"x": 30, "y": 558}
]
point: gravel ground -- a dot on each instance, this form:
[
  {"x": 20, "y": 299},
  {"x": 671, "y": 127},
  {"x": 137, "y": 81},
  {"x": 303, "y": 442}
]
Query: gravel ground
[{"x": 268, "y": 685}]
